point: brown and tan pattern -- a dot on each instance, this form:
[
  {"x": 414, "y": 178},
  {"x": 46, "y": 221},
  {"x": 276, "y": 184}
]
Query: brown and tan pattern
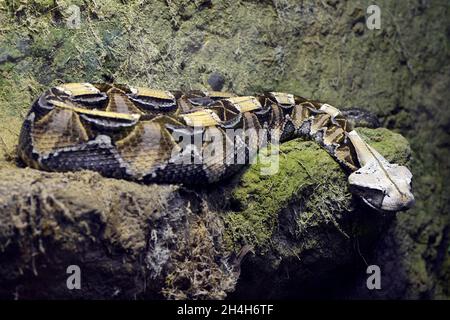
[{"x": 170, "y": 136}]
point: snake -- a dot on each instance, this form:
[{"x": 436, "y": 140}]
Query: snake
[{"x": 173, "y": 136}]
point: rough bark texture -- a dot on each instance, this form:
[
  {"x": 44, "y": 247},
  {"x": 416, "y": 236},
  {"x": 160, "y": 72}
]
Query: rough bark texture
[{"x": 309, "y": 236}]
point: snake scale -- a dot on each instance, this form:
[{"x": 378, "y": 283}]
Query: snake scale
[{"x": 130, "y": 132}]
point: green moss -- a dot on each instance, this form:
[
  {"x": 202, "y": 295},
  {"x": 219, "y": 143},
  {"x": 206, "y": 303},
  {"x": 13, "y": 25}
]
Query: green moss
[
  {"x": 391, "y": 145},
  {"x": 301, "y": 165},
  {"x": 307, "y": 175},
  {"x": 44, "y": 4}
]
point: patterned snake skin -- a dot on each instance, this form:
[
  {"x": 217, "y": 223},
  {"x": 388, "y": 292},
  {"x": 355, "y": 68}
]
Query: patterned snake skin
[
  {"x": 194, "y": 137},
  {"x": 127, "y": 132}
]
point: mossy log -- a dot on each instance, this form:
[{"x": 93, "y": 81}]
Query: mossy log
[{"x": 169, "y": 241}]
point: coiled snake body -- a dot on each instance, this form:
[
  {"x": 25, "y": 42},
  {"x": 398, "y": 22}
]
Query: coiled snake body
[{"x": 127, "y": 132}]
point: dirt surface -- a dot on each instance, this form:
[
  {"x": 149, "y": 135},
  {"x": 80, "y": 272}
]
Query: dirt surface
[{"x": 320, "y": 50}]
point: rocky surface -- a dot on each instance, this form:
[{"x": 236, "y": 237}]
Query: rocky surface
[{"x": 298, "y": 233}]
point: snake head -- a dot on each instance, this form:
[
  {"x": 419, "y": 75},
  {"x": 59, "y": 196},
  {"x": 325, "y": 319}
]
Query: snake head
[
  {"x": 385, "y": 187},
  {"x": 382, "y": 185}
]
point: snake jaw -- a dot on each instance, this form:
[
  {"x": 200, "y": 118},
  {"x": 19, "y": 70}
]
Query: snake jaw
[{"x": 382, "y": 185}]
